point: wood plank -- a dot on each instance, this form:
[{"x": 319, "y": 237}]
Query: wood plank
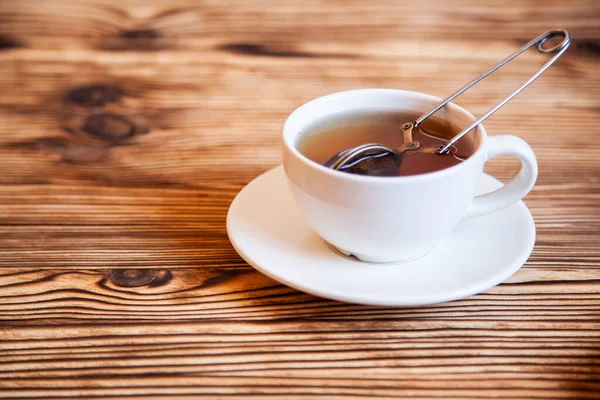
[
  {"x": 124, "y": 296},
  {"x": 119, "y": 122}
]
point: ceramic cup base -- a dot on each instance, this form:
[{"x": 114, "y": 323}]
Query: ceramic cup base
[{"x": 367, "y": 260}]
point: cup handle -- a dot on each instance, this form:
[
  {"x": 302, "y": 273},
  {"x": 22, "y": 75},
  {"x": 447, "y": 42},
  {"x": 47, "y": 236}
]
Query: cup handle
[{"x": 516, "y": 189}]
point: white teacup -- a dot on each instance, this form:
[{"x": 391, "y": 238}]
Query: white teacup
[{"x": 383, "y": 219}]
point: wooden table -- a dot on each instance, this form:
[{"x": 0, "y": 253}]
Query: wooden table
[{"x": 118, "y": 121}]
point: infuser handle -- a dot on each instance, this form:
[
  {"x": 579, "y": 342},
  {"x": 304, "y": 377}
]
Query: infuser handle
[{"x": 559, "y": 49}]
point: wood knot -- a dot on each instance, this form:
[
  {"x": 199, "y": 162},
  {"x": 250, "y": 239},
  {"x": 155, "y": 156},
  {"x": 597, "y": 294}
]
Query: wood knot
[
  {"x": 587, "y": 47},
  {"x": 94, "y": 95},
  {"x": 113, "y": 127},
  {"x": 132, "y": 277},
  {"x": 137, "y": 34},
  {"x": 276, "y": 50},
  {"x": 7, "y": 43},
  {"x": 257, "y": 49},
  {"x": 138, "y": 39}
]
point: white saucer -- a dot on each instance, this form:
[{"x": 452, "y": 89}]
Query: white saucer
[{"x": 266, "y": 229}]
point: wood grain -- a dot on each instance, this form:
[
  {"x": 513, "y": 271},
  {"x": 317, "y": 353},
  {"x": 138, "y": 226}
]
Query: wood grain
[{"x": 118, "y": 125}]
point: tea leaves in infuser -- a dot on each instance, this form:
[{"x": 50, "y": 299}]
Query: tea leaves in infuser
[{"x": 374, "y": 163}]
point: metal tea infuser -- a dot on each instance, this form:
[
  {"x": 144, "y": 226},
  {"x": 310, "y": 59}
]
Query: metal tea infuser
[{"x": 352, "y": 156}]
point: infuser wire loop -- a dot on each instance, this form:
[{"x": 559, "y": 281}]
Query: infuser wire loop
[{"x": 557, "y": 50}]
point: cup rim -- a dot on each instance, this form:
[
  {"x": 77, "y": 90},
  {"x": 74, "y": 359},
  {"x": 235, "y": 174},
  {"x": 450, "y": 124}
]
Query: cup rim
[{"x": 288, "y": 139}]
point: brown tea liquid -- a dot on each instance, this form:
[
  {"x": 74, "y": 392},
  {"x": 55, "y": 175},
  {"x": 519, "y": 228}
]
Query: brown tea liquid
[{"x": 326, "y": 138}]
